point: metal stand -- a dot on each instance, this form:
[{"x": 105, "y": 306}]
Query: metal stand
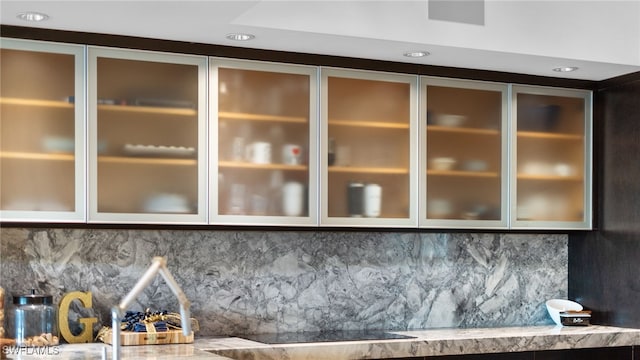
[{"x": 159, "y": 264}]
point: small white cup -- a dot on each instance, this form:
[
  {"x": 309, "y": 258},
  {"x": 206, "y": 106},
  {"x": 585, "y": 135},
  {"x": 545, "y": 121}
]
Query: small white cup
[
  {"x": 343, "y": 155},
  {"x": 439, "y": 208},
  {"x": 293, "y": 198},
  {"x": 372, "y": 200},
  {"x": 259, "y": 152},
  {"x": 562, "y": 169},
  {"x": 292, "y": 154}
]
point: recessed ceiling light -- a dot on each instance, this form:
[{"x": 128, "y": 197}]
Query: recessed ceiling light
[
  {"x": 32, "y": 16},
  {"x": 565, "y": 69},
  {"x": 240, "y": 37},
  {"x": 416, "y": 53}
]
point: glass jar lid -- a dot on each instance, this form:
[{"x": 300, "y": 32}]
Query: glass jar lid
[{"x": 33, "y": 299}]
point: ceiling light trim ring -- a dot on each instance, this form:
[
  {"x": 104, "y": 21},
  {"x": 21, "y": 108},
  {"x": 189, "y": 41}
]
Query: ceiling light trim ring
[
  {"x": 240, "y": 36},
  {"x": 416, "y": 53},
  {"x": 32, "y": 16},
  {"x": 565, "y": 69}
]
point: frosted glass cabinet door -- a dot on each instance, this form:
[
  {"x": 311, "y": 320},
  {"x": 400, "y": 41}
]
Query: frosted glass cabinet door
[
  {"x": 464, "y": 147},
  {"x": 147, "y": 137},
  {"x": 369, "y": 148},
  {"x": 263, "y": 143},
  {"x": 42, "y": 130},
  {"x": 552, "y": 162}
]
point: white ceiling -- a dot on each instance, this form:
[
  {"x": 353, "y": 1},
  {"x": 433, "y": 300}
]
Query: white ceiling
[{"x": 602, "y": 38}]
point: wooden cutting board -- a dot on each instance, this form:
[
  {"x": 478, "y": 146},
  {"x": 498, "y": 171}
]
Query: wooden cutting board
[{"x": 144, "y": 338}]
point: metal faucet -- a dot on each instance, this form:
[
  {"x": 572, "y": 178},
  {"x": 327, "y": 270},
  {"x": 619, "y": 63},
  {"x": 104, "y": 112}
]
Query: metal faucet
[{"x": 158, "y": 264}]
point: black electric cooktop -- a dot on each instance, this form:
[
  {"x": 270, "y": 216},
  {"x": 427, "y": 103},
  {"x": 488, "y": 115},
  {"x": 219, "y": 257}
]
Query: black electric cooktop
[{"x": 323, "y": 336}]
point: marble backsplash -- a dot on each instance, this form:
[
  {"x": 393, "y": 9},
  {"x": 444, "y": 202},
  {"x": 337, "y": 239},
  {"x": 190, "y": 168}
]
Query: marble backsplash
[{"x": 277, "y": 281}]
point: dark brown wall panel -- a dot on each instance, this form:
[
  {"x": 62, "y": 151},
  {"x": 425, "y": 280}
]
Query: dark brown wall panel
[{"x": 604, "y": 266}]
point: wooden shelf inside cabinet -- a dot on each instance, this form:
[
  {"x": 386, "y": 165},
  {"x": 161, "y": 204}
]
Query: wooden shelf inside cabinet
[
  {"x": 149, "y": 110},
  {"x": 147, "y": 161},
  {"x": 369, "y": 124},
  {"x": 459, "y": 173},
  {"x": 261, "y": 117},
  {"x": 37, "y": 156},
  {"x": 462, "y": 130},
  {"x": 546, "y": 135},
  {"x": 368, "y": 170},
  {"x": 544, "y": 177},
  {"x": 245, "y": 165},
  {"x": 38, "y": 103}
]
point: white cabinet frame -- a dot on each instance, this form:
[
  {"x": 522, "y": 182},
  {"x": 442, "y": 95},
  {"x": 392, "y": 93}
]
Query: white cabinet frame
[
  {"x": 412, "y": 220},
  {"x": 587, "y": 221},
  {"x": 503, "y": 89},
  {"x": 311, "y": 218},
  {"x": 200, "y": 217},
  {"x": 78, "y": 215}
]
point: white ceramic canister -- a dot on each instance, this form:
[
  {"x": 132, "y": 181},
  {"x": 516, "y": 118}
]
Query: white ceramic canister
[
  {"x": 372, "y": 200},
  {"x": 292, "y": 198},
  {"x": 259, "y": 152}
]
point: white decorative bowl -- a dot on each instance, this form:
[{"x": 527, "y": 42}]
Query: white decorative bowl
[
  {"x": 475, "y": 165},
  {"x": 442, "y": 163},
  {"x": 556, "y": 306}
]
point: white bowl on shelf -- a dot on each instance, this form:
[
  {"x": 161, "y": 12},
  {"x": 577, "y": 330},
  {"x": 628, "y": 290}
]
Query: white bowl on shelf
[
  {"x": 556, "y": 306},
  {"x": 166, "y": 203},
  {"x": 58, "y": 144},
  {"x": 442, "y": 163}
]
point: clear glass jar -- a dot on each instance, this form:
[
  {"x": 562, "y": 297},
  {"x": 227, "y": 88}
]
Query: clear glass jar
[{"x": 35, "y": 321}]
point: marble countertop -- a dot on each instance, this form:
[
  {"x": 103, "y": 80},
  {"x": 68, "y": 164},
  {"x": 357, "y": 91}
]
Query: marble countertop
[
  {"x": 432, "y": 342},
  {"x": 424, "y": 343}
]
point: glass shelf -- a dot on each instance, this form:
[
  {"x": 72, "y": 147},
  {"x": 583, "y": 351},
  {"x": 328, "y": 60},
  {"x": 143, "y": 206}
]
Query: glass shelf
[
  {"x": 36, "y": 102},
  {"x": 147, "y": 161},
  {"x": 149, "y": 110},
  {"x": 462, "y": 130},
  {"x": 244, "y": 165},
  {"x": 460, "y": 173},
  {"x": 37, "y": 156},
  {"x": 368, "y": 170},
  {"x": 261, "y": 117},
  {"x": 549, "y": 177},
  {"x": 369, "y": 124},
  {"x": 552, "y": 136}
]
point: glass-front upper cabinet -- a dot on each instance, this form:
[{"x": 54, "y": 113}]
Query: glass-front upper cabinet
[
  {"x": 464, "y": 146},
  {"x": 147, "y": 137},
  {"x": 369, "y": 149},
  {"x": 263, "y": 143},
  {"x": 42, "y": 130},
  {"x": 551, "y": 168}
]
